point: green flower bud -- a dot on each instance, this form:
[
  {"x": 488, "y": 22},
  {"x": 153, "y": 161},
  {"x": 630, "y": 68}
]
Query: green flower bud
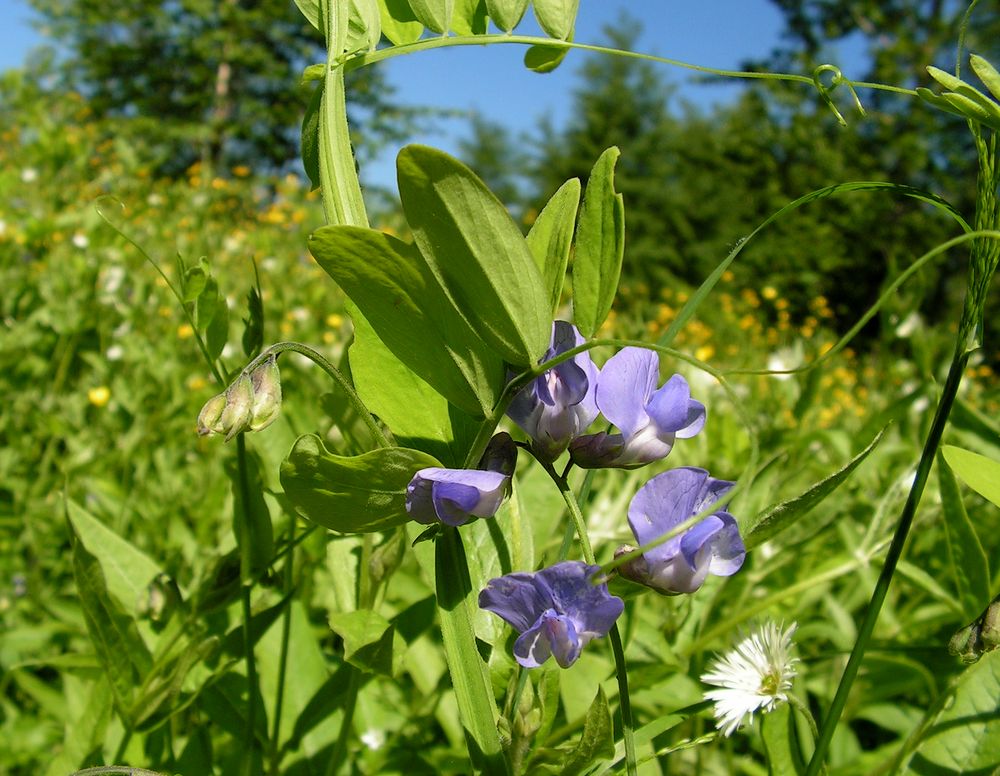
[
  {"x": 238, "y": 413},
  {"x": 266, "y": 381},
  {"x": 210, "y": 415},
  {"x": 979, "y": 636}
]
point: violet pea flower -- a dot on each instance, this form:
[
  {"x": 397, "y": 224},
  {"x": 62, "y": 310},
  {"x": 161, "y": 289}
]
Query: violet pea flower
[
  {"x": 681, "y": 564},
  {"x": 557, "y": 610},
  {"x": 558, "y": 406},
  {"x": 648, "y": 419},
  {"x": 453, "y": 496}
]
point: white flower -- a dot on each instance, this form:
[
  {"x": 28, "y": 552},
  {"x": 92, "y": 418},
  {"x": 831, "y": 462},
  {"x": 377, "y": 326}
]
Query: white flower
[
  {"x": 29, "y": 175},
  {"x": 755, "y": 675},
  {"x": 80, "y": 240}
]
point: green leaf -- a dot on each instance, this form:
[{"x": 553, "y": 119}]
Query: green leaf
[
  {"x": 399, "y": 24},
  {"x": 364, "y": 25},
  {"x": 557, "y": 17},
  {"x": 310, "y": 133},
  {"x": 396, "y": 292},
  {"x": 116, "y": 640},
  {"x": 253, "y": 324},
  {"x": 777, "y": 518},
  {"x": 551, "y": 237},
  {"x": 980, "y": 473},
  {"x": 206, "y": 304},
  {"x": 600, "y": 246},
  {"x": 370, "y": 641},
  {"x": 194, "y": 283},
  {"x": 310, "y": 9},
  {"x": 965, "y": 737},
  {"x": 218, "y": 330},
  {"x": 435, "y": 15},
  {"x": 356, "y": 494},
  {"x": 418, "y": 416},
  {"x": 778, "y": 733},
  {"x": 477, "y": 253},
  {"x": 456, "y": 600},
  {"x": 506, "y": 14},
  {"x": 544, "y": 59},
  {"x": 127, "y": 570},
  {"x": 249, "y": 508},
  {"x": 969, "y": 564},
  {"x": 597, "y": 741},
  {"x": 469, "y": 17},
  {"x": 987, "y": 74}
]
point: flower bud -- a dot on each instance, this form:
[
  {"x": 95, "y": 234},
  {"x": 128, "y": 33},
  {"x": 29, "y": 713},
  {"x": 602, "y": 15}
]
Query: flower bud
[
  {"x": 211, "y": 414},
  {"x": 266, "y": 383},
  {"x": 238, "y": 413}
]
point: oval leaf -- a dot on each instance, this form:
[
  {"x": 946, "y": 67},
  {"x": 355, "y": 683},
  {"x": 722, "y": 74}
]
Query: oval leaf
[
  {"x": 351, "y": 494},
  {"x": 965, "y": 737},
  {"x": 477, "y": 253},
  {"x": 399, "y": 24},
  {"x": 435, "y": 15},
  {"x": 969, "y": 565},
  {"x": 551, "y": 236},
  {"x": 398, "y": 295},
  {"x": 544, "y": 59},
  {"x": 557, "y": 17},
  {"x": 980, "y": 473},
  {"x": 469, "y": 17},
  {"x": 506, "y": 14},
  {"x": 600, "y": 246}
]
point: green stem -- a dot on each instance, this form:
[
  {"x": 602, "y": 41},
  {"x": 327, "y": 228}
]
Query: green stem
[
  {"x": 286, "y": 632},
  {"x": 624, "y": 700},
  {"x": 335, "y": 374},
  {"x": 800, "y": 706},
  {"x": 338, "y": 756},
  {"x": 892, "y": 559},
  {"x": 426, "y": 44},
  {"x": 247, "y": 582}
]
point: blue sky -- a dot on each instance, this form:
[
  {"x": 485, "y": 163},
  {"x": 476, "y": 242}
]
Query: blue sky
[{"x": 493, "y": 81}]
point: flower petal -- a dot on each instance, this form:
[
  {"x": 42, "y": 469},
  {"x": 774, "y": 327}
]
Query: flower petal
[
  {"x": 662, "y": 503},
  {"x": 624, "y": 386},
  {"x": 669, "y": 406},
  {"x": 517, "y": 598}
]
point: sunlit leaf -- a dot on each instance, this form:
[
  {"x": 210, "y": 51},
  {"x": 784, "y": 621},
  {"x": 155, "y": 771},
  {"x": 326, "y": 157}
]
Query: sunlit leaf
[
  {"x": 551, "y": 237},
  {"x": 777, "y": 518},
  {"x": 435, "y": 15},
  {"x": 980, "y": 473},
  {"x": 400, "y": 298},
  {"x": 600, "y": 246},
  {"x": 557, "y": 17},
  {"x": 969, "y": 565},
  {"x": 506, "y": 13},
  {"x": 477, "y": 253}
]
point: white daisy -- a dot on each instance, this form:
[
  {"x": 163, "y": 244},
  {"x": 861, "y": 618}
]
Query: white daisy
[{"x": 755, "y": 675}]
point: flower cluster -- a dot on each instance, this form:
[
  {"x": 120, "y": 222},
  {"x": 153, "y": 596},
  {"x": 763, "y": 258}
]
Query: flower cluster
[
  {"x": 556, "y": 408},
  {"x": 251, "y": 403}
]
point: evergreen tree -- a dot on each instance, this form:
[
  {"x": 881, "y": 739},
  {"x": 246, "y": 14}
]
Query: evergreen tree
[{"x": 188, "y": 80}]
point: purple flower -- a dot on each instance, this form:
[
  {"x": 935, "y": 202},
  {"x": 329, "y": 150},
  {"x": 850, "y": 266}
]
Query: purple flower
[
  {"x": 648, "y": 418},
  {"x": 558, "y": 406},
  {"x": 711, "y": 546},
  {"x": 452, "y": 496},
  {"x": 556, "y": 610}
]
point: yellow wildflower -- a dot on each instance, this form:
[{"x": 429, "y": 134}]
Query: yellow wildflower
[{"x": 99, "y": 396}]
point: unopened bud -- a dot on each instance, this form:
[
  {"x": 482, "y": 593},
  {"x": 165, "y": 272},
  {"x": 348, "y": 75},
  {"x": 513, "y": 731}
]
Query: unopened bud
[
  {"x": 979, "y": 636},
  {"x": 266, "y": 382},
  {"x": 239, "y": 407},
  {"x": 500, "y": 455},
  {"x": 211, "y": 414},
  {"x": 161, "y": 599}
]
